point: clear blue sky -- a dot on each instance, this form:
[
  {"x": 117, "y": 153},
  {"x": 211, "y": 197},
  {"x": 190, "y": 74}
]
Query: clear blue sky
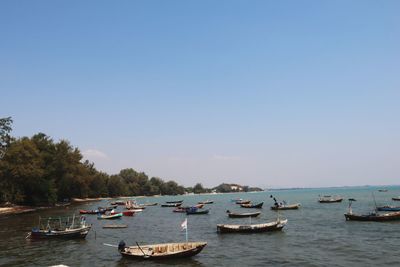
[{"x": 267, "y": 93}]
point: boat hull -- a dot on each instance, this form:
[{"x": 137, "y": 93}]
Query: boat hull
[
  {"x": 251, "y": 206},
  {"x": 151, "y": 255},
  {"x": 253, "y": 228},
  {"x": 391, "y": 216},
  {"x": 243, "y": 215},
  {"x": 286, "y": 207},
  {"x": 67, "y": 234}
]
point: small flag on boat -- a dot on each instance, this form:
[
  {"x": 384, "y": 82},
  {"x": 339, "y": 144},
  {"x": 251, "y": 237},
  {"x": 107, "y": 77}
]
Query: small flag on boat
[{"x": 184, "y": 224}]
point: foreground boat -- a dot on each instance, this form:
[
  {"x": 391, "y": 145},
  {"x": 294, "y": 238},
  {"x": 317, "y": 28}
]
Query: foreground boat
[
  {"x": 330, "y": 199},
  {"x": 252, "y": 206},
  {"x": 396, "y": 198},
  {"x": 59, "y": 228},
  {"x": 161, "y": 251},
  {"x": 373, "y": 216},
  {"x": 243, "y": 215},
  {"x": 252, "y": 228}
]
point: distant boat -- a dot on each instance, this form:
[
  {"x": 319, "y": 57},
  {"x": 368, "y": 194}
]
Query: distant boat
[
  {"x": 241, "y": 201},
  {"x": 118, "y": 202},
  {"x": 243, "y": 215},
  {"x": 175, "y": 201},
  {"x": 252, "y": 228},
  {"x": 252, "y": 206},
  {"x": 330, "y": 199},
  {"x": 206, "y": 202},
  {"x": 171, "y": 205},
  {"x": 125, "y": 213},
  {"x": 396, "y": 198},
  {"x": 99, "y": 211},
  {"x": 283, "y": 205},
  {"x": 115, "y": 226},
  {"x": 110, "y": 217},
  {"x": 388, "y": 208},
  {"x": 161, "y": 251},
  {"x": 184, "y": 209},
  {"x": 286, "y": 207},
  {"x": 61, "y": 228},
  {"x": 382, "y": 190},
  {"x": 196, "y": 211}
]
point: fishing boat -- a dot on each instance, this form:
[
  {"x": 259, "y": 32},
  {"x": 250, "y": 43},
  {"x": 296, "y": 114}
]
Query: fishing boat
[
  {"x": 239, "y": 202},
  {"x": 242, "y": 215},
  {"x": 174, "y": 202},
  {"x": 108, "y": 208},
  {"x": 196, "y": 211},
  {"x": 114, "y": 226},
  {"x": 396, "y": 198},
  {"x": 110, "y": 216},
  {"x": 127, "y": 213},
  {"x": 118, "y": 202},
  {"x": 60, "y": 228},
  {"x": 206, "y": 202},
  {"x": 286, "y": 206},
  {"x": 171, "y": 205},
  {"x": 330, "y": 199},
  {"x": 373, "y": 216},
  {"x": 252, "y": 206},
  {"x": 184, "y": 209},
  {"x": 132, "y": 205},
  {"x": 92, "y": 211},
  {"x": 252, "y": 228},
  {"x": 388, "y": 208},
  {"x": 161, "y": 251},
  {"x": 382, "y": 190}
]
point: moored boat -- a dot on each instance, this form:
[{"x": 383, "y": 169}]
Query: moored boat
[
  {"x": 174, "y": 201},
  {"x": 388, "y": 208},
  {"x": 252, "y": 228},
  {"x": 206, "y": 202},
  {"x": 252, "y": 206},
  {"x": 114, "y": 226},
  {"x": 243, "y": 215},
  {"x": 286, "y": 207},
  {"x": 171, "y": 205},
  {"x": 330, "y": 199},
  {"x": 196, "y": 211},
  {"x": 161, "y": 251},
  {"x": 396, "y": 198},
  {"x": 373, "y": 216},
  {"x": 148, "y": 204},
  {"x": 59, "y": 228},
  {"x": 241, "y": 201},
  {"x": 99, "y": 211},
  {"x": 110, "y": 217}
]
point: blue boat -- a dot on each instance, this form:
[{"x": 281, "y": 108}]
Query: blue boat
[
  {"x": 196, "y": 211},
  {"x": 388, "y": 208}
]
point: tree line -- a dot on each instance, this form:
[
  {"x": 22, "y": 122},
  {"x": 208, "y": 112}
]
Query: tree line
[{"x": 40, "y": 171}]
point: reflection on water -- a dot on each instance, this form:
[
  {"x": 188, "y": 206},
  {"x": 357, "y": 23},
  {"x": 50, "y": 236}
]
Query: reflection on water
[{"x": 316, "y": 234}]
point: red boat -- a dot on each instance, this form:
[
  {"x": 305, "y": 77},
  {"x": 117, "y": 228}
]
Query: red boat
[{"x": 125, "y": 212}]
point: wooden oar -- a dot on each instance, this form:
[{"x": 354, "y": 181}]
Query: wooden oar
[{"x": 144, "y": 254}]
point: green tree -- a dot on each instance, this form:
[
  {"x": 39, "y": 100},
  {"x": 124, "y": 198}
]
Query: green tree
[
  {"x": 198, "y": 188},
  {"x": 5, "y": 138}
]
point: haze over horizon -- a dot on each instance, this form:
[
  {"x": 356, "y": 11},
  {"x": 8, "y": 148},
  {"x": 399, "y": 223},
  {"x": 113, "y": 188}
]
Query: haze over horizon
[{"x": 262, "y": 93}]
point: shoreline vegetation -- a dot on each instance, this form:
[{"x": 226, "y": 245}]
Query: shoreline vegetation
[{"x": 38, "y": 172}]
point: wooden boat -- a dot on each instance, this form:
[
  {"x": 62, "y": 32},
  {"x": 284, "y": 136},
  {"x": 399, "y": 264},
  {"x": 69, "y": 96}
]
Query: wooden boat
[
  {"x": 243, "y": 202},
  {"x": 252, "y": 228},
  {"x": 171, "y": 205},
  {"x": 110, "y": 208},
  {"x": 180, "y": 210},
  {"x": 388, "y": 208},
  {"x": 206, "y": 202},
  {"x": 252, "y": 206},
  {"x": 114, "y": 226},
  {"x": 161, "y": 251},
  {"x": 174, "y": 202},
  {"x": 242, "y": 215},
  {"x": 396, "y": 198},
  {"x": 376, "y": 217},
  {"x": 92, "y": 211},
  {"x": 373, "y": 216},
  {"x": 330, "y": 199},
  {"x": 195, "y": 211},
  {"x": 286, "y": 207},
  {"x": 110, "y": 217},
  {"x": 128, "y": 213},
  {"x": 59, "y": 228}
]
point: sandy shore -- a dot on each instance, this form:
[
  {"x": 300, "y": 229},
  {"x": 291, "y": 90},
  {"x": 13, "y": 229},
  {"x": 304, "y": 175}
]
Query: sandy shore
[{"x": 17, "y": 210}]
